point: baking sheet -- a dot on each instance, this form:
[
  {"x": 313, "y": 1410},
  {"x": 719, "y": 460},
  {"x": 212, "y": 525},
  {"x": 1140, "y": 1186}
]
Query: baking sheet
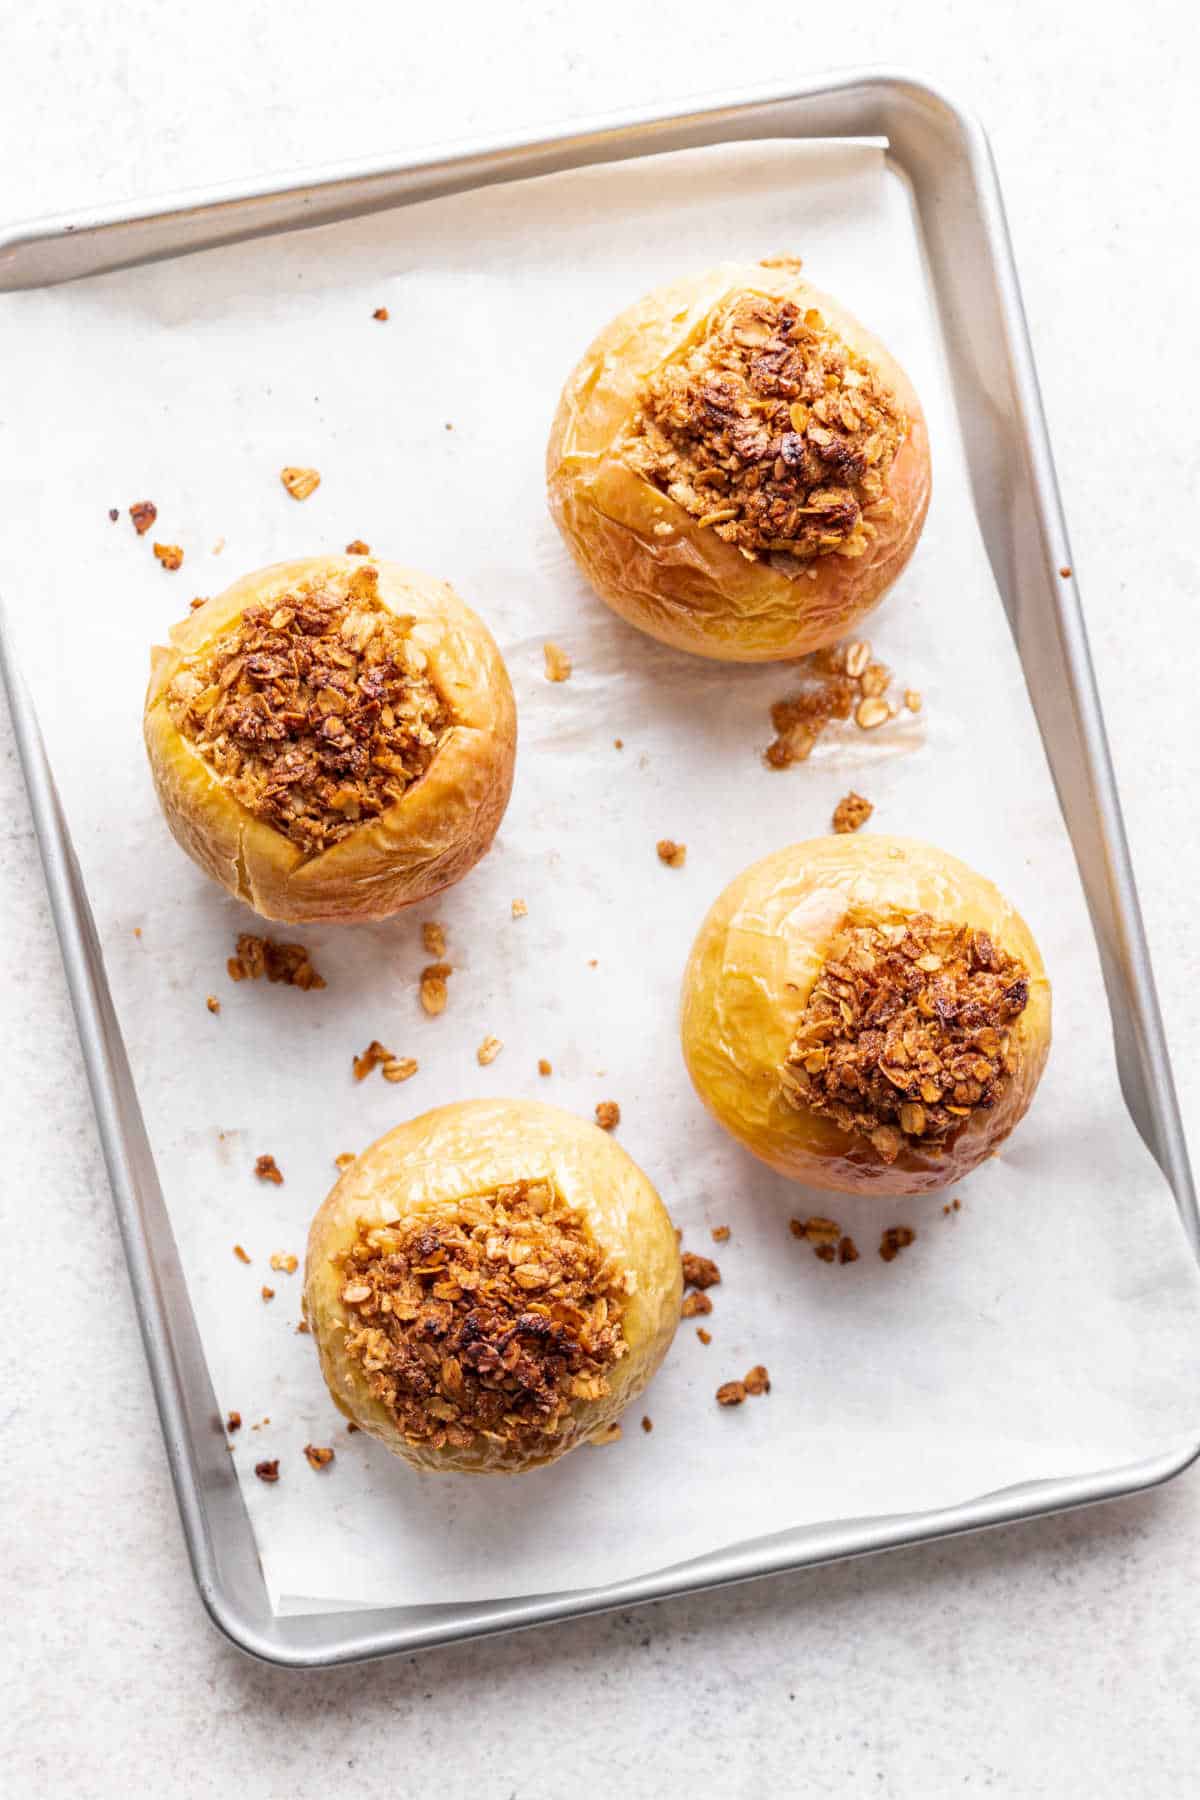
[{"x": 1047, "y": 1329}]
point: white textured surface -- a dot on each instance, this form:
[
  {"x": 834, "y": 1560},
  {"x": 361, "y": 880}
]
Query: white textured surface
[{"x": 1056, "y": 1658}]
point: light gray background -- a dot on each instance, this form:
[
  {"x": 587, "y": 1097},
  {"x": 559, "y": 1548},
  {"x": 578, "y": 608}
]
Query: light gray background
[{"x": 1056, "y": 1658}]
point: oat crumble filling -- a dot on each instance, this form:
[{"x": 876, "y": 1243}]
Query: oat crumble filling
[
  {"x": 907, "y": 1031},
  {"x": 773, "y": 431},
  {"x": 489, "y": 1319},
  {"x": 317, "y": 710}
]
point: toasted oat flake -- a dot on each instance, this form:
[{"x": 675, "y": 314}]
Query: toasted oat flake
[
  {"x": 267, "y": 1169},
  {"x": 671, "y": 853},
  {"x": 288, "y": 963},
  {"x": 851, "y": 813},
  {"x": 494, "y": 1316},
  {"x": 757, "y": 1381},
  {"x": 240, "y": 1254},
  {"x": 519, "y": 909},
  {"x": 695, "y": 1305},
  {"x": 267, "y": 1471},
  {"x": 143, "y": 513},
  {"x": 400, "y": 1068},
  {"x": 169, "y": 555},
  {"x": 608, "y": 1115},
  {"x": 731, "y": 1393},
  {"x": 699, "y": 1271},
  {"x": 433, "y": 938},
  {"x": 488, "y": 1051},
  {"x": 284, "y": 1261},
  {"x": 557, "y": 662},
  {"x": 300, "y": 483},
  {"x": 319, "y": 1456},
  {"x": 895, "y": 1239},
  {"x": 213, "y": 1004}
]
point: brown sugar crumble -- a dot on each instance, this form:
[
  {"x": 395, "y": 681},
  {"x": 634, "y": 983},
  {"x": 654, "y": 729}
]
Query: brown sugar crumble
[
  {"x": 557, "y": 662},
  {"x": 851, "y": 813},
  {"x": 907, "y": 1031},
  {"x": 695, "y": 1305},
  {"x": 143, "y": 513},
  {"x": 356, "y": 547},
  {"x": 704, "y": 1336},
  {"x": 839, "y": 683},
  {"x": 490, "y": 1318},
  {"x": 300, "y": 483},
  {"x": 213, "y": 1004},
  {"x": 317, "y": 711},
  {"x": 288, "y": 963},
  {"x": 773, "y": 431},
  {"x": 757, "y": 1381},
  {"x": 240, "y": 1254},
  {"x": 267, "y": 1169},
  {"x": 895, "y": 1239},
  {"x": 319, "y": 1456},
  {"x": 731, "y": 1393},
  {"x": 267, "y": 1471},
  {"x": 699, "y": 1271},
  {"x": 608, "y": 1115},
  {"x": 169, "y": 555},
  {"x": 233, "y": 1421},
  {"x": 671, "y": 853}
]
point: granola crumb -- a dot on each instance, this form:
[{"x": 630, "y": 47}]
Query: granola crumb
[
  {"x": 671, "y": 853},
  {"x": 319, "y": 1456},
  {"x": 268, "y": 1293},
  {"x": 757, "y": 1381},
  {"x": 374, "y": 1054},
  {"x": 826, "y": 1252},
  {"x": 300, "y": 483},
  {"x": 695, "y": 1305},
  {"x": 233, "y": 1421},
  {"x": 618, "y": 743},
  {"x": 847, "y": 1250},
  {"x": 218, "y": 546},
  {"x": 957, "y": 1205},
  {"x": 895, "y": 1239},
  {"x": 143, "y": 513},
  {"x": 284, "y": 1261},
  {"x": 302, "y": 1327},
  {"x": 240, "y": 1254},
  {"x": 647, "y": 1423},
  {"x": 433, "y": 939},
  {"x": 434, "y": 991},
  {"x": 731, "y": 1393},
  {"x": 519, "y": 910},
  {"x": 699, "y": 1271},
  {"x": 197, "y": 602},
  {"x": 488, "y": 1051},
  {"x": 169, "y": 555},
  {"x": 381, "y": 313},
  {"x": 544, "y": 1067},
  {"x": 342, "y": 1161},
  {"x": 817, "y": 1230},
  {"x": 356, "y": 547},
  {"x": 449, "y": 426},
  {"x": 912, "y": 700},
  {"x": 608, "y": 1115},
  {"x": 351, "y": 1427},
  {"x": 213, "y": 1004},
  {"x": 267, "y": 1169},
  {"x": 267, "y": 1471},
  {"x": 720, "y": 1234},
  {"x": 838, "y": 684},
  {"x": 851, "y": 813},
  {"x": 593, "y": 962},
  {"x": 1065, "y": 571},
  {"x": 114, "y": 513},
  {"x": 288, "y": 963},
  {"x": 704, "y": 1336},
  {"x": 558, "y": 663}
]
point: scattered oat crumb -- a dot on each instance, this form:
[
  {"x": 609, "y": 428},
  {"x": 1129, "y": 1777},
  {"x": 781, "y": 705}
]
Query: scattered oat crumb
[
  {"x": 267, "y": 1292},
  {"x": 895, "y": 1239},
  {"x": 381, "y": 313},
  {"x": 647, "y": 1423},
  {"x": 143, "y": 513},
  {"x": 544, "y": 1067},
  {"x": 218, "y": 546},
  {"x": 267, "y": 1169},
  {"x": 240, "y": 1253},
  {"x": 356, "y": 547},
  {"x": 826, "y": 1252},
  {"x": 839, "y": 683},
  {"x": 607, "y": 1434},
  {"x": 300, "y": 483},
  {"x": 433, "y": 937},
  {"x": 757, "y": 1381},
  {"x": 695, "y": 1304},
  {"x": 608, "y": 1115},
  {"x": 267, "y": 1471},
  {"x": 488, "y": 1051},
  {"x": 284, "y": 1261},
  {"x": 816, "y": 1230},
  {"x": 169, "y": 555},
  {"x": 704, "y": 1336},
  {"x": 912, "y": 700},
  {"x": 213, "y": 1004},
  {"x": 114, "y": 513},
  {"x": 851, "y": 813},
  {"x": 233, "y": 1421},
  {"x": 699, "y": 1271},
  {"x": 847, "y": 1250},
  {"x": 558, "y": 663},
  {"x": 434, "y": 991},
  {"x": 952, "y": 1206},
  {"x": 258, "y": 1425},
  {"x": 720, "y": 1234},
  {"x": 671, "y": 853},
  {"x": 731, "y": 1393},
  {"x": 1065, "y": 571},
  {"x": 344, "y": 1160},
  {"x": 319, "y": 1457},
  {"x": 289, "y": 963},
  {"x": 519, "y": 909}
]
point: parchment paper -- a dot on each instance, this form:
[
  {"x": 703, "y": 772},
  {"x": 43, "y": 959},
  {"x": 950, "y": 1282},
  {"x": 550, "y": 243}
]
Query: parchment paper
[{"x": 1048, "y": 1329}]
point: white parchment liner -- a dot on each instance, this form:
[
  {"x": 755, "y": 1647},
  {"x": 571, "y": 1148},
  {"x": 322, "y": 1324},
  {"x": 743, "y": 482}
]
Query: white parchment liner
[{"x": 1050, "y": 1328}]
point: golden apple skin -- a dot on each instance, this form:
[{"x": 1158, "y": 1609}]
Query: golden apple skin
[
  {"x": 474, "y": 1147},
  {"x": 754, "y": 964}
]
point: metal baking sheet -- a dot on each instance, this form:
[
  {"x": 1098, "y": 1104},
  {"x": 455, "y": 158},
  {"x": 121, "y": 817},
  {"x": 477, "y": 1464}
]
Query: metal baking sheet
[{"x": 944, "y": 157}]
